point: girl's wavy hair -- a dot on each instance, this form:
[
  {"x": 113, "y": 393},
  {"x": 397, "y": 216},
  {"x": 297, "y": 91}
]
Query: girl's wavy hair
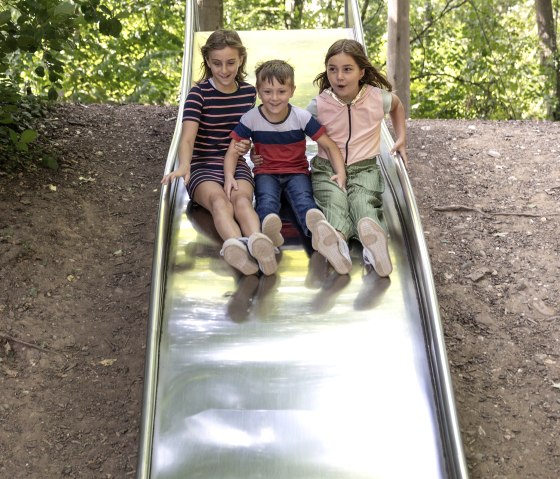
[
  {"x": 219, "y": 40},
  {"x": 357, "y": 52}
]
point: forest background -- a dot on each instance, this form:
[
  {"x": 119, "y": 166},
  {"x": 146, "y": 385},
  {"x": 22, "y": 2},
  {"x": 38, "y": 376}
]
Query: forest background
[{"x": 468, "y": 58}]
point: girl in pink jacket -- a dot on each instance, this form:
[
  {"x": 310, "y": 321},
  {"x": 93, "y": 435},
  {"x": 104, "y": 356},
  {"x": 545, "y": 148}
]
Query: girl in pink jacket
[{"x": 352, "y": 102}]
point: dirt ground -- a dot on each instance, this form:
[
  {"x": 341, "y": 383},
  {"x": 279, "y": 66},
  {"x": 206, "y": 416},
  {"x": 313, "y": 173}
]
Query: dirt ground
[{"x": 75, "y": 266}]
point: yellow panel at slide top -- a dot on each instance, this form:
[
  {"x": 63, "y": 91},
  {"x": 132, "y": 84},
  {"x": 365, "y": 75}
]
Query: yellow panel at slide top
[{"x": 303, "y": 49}]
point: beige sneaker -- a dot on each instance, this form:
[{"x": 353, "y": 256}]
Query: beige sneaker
[
  {"x": 332, "y": 246},
  {"x": 376, "y": 252},
  {"x": 312, "y": 217},
  {"x": 272, "y": 227},
  {"x": 261, "y": 248},
  {"x": 236, "y": 254}
]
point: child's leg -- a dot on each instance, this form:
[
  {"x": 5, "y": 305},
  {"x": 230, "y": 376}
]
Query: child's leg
[
  {"x": 299, "y": 194},
  {"x": 268, "y": 192},
  {"x": 330, "y": 199},
  {"x": 365, "y": 187},
  {"x": 267, "y": 195},
  {"x": 212, "y": 196},
  {"x": 259, "y": 245},
  {"x": 330, "y": 234},
  {"x": 243, "y": 211}
]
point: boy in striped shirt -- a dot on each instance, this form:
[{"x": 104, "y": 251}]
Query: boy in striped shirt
[{"x": 278, "y": 131}]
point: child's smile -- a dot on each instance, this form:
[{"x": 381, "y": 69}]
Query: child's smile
[
  {"x": 224, "y": 64},
  {"x": 275, "y": 98}
]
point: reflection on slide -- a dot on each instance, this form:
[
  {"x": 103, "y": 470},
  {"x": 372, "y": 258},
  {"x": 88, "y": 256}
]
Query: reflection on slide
[{"x": 306, "y": 373}]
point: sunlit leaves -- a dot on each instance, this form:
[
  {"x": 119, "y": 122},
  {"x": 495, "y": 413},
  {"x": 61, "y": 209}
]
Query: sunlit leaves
[
  {"x": 274, "y": 15},
  {"x": 142, "y": 64},
  {"x": 475, "y": 59}
]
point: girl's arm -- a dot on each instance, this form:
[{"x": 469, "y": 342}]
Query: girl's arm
[
  {"x": 398, "y": 118},
  {"x": 335, "y": 157},
  {"x": 230, "y": 163},
  {"x": 189, "y": 130}
]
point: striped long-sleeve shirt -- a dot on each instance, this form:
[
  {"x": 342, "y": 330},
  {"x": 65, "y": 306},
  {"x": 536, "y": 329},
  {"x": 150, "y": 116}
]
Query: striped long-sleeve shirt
[{"x": 217, "y": 114}]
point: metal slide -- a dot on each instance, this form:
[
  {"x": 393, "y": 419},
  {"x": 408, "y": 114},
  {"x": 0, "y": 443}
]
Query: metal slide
[{"x": 305, "y": 374}]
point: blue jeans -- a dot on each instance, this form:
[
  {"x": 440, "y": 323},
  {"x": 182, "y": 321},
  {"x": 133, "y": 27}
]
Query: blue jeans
[{"x": 295, "y": 187}]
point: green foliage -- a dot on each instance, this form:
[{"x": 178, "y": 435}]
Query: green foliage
[
  {"x": 374, "y": 21},
  {"x": 475, "y": 59},
  {"x": 17, "y": 116},
  {"x": 36, "y": 39},
  {"x": 274, "y": 15},
  {"x": 140, "y": 65}
]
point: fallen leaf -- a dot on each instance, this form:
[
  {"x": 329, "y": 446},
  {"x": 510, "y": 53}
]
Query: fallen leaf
[
  {"x": 107, "y": 362},
  {"x": 83, "y": 179}
]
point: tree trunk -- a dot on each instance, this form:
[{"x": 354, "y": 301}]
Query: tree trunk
[
  {"x": 550, "y": 58},
  {"x": 296, "y": 15},
  {"x": 210, "y": 14},
  {"x": 398, "y": 50}
]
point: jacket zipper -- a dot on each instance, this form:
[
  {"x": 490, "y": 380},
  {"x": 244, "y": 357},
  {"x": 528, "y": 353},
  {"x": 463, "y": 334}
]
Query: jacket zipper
[{"x": 349, "y": 133}]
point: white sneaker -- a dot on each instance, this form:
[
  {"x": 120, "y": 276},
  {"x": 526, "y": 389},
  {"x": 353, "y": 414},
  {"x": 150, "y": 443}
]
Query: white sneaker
[
  {"x": 332, "y": 246},
  {"x": 312, "y": 217},
  {"x": 376, "y": 252},
  {"x": 261, "y": 248},
  {"x": 235, "y": 254},
  {"x": 272, "y": 227}
]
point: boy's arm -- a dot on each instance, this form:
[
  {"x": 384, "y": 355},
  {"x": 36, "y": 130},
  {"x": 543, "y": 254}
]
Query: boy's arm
[
  {"x": 335, "y": 157},
  {"x": 189, "y": 130},
  {"x": 398, "y": 118}
]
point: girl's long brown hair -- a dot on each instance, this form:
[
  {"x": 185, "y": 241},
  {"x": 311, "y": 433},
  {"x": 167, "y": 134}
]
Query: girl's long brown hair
[
  {"x": 219, "y": 40},
  {"x": 357, "y": 52}
]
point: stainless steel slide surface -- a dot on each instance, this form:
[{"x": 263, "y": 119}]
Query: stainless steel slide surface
[{"x": 304, "y": 374}]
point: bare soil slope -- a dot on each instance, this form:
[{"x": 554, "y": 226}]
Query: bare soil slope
[{"x": 75, "y": 264}]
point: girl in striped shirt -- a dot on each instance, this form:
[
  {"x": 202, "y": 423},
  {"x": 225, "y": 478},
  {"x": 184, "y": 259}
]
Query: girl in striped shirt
[{"x": 212, "y": 109}]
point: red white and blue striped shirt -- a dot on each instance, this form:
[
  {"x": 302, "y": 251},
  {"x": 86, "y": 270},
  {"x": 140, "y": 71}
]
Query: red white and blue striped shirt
[{"x": 282, "y": 144}]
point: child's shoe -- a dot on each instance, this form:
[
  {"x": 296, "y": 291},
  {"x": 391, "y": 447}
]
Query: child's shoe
[
  {"x": 332, "y": 246},
  {"x": 236, "y": 254},
  {"x": 376, "y": 252},
  {"x": 271, "y": 227},
  {"x": 261, "y": 248},
  {"x": 312, "y": 217}
]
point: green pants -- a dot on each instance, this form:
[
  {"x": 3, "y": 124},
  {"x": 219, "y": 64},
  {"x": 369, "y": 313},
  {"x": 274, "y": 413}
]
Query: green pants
[{"x": 343, "y": 210}]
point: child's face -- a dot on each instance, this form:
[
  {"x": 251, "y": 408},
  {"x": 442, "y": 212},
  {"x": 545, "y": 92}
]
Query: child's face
[
  {"x": 344, "y": 75},
  {"x": 275, "y": 98},
  {"x": 224, "y": 64}
]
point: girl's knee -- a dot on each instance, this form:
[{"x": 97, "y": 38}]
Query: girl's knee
[
  {"x": 220, "y": 204},
  {"x": 241, "y": 202}
]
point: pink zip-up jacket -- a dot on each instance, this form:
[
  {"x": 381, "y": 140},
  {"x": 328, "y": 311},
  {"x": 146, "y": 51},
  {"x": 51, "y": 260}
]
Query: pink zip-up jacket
[{"x": 355, "y": 127}]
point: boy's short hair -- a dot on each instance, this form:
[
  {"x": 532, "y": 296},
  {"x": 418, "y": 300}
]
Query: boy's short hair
[{"x": 278, "y": 70}]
